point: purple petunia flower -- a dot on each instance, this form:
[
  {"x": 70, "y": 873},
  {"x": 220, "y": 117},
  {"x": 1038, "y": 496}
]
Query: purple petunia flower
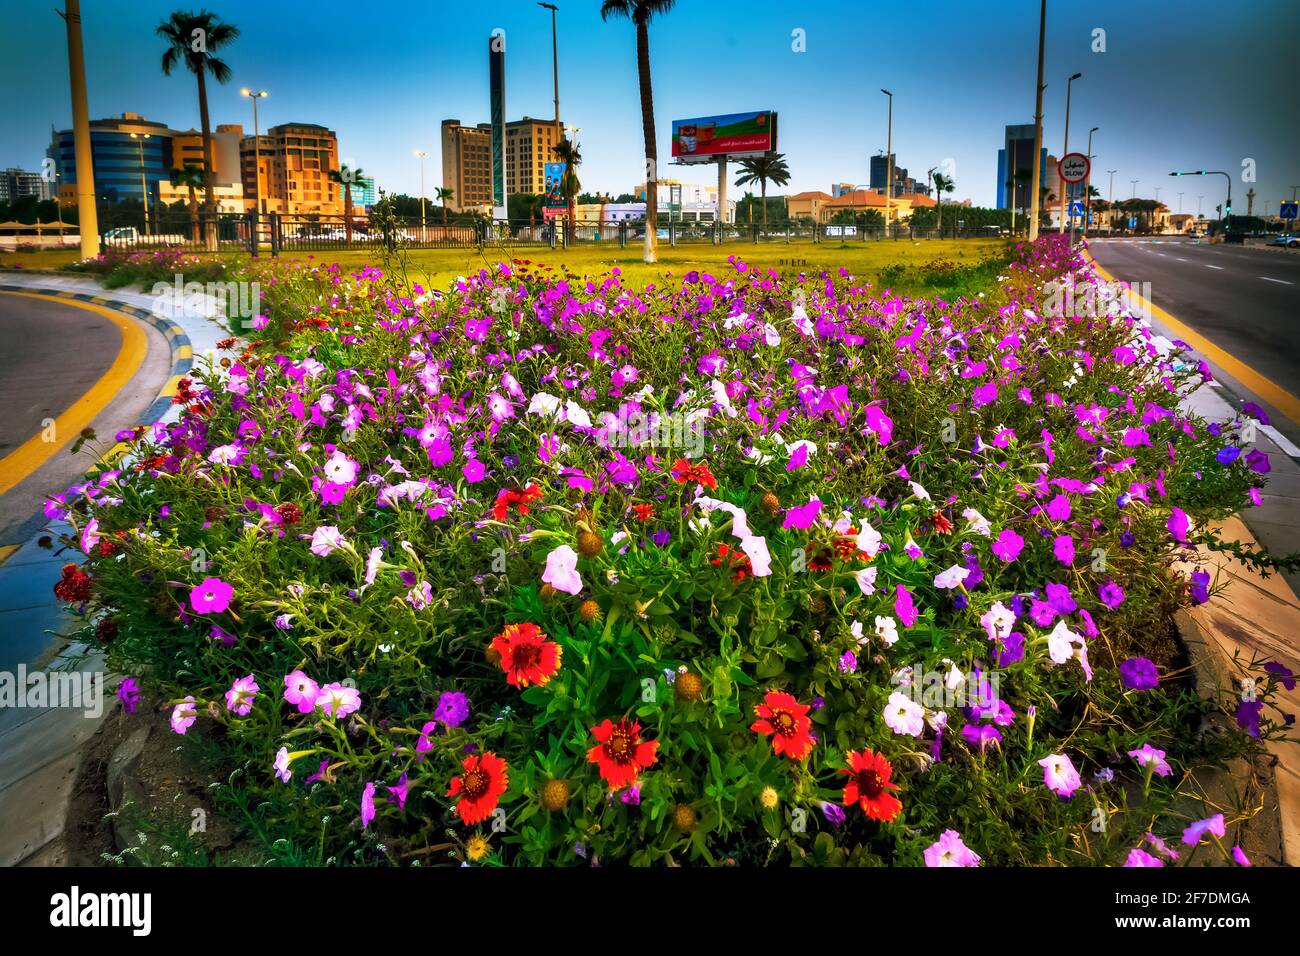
[
  {"x": 452, "y": 709},
  {"x": 1139, "y": 673},
  {"x": 129, "y": 693}
]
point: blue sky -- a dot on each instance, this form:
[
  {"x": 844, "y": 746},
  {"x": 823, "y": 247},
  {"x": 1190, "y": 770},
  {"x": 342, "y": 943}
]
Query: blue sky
[{"x": 1187, "y": 84}]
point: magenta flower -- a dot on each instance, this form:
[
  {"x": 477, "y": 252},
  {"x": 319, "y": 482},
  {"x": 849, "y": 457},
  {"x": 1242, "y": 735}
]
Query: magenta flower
[
  {"x": 1058, "y": 509},
  {"x": 904, "y": 607},
  {"x": 1178, "y": 525},
  {"x": 397, "y": 792},
  {"x": 184, "y": 715},
  {"x": 1239, "y": 856},
  {"x": 129, "y": 693},
  {"x": 1111, "y": 594},
  {"x": 301, "y": 691},
  {"x": 452, "y": 709},
  {"x": 1059, "y": 775},
  {"x": 1063, "y": 548},
  {"x": 802, "y": 516},
  {"x": 1008, "y": 545},
  {"x": 1138, "y": 857},
  {"x": 1150, "y": 758},
  {"x": 211, "y": 596},
  {"x": 1139, "y": 673},
  {"x": 338, "y": 701},
  {"x": 239, "y": 699},
  {"x": 1213, "y": 825},
  {"x": 950, "y": 850},
  {"x": 367, "y": 804}
]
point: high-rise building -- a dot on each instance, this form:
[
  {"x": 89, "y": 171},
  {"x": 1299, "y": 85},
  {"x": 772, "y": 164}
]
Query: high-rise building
[
  {"x": 17, "y": 183},
  {"x": 530, "y": 144},
  {"x": 467, "y": 164},
  {"x": 125, "y": 167},
  {"x": 902, "y": 182},
  {"x": 1016, "y": 167},
  {"x": 296, "y": 162}
]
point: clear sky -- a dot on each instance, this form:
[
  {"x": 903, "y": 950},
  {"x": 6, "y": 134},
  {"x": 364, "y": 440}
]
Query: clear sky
[{"x": 1182, "y": 83}]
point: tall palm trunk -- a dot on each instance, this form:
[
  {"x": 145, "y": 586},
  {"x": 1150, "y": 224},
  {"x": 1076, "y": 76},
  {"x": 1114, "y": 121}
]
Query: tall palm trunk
[
  {"x": 938, "y": 197},
  {"x": 651, "y": 150},
  {"x": 194, "y": 213},
  {"x": 209, "y": 173},
  {"x": 347, "y": 210},
  {"x": 762, "y": 188}
]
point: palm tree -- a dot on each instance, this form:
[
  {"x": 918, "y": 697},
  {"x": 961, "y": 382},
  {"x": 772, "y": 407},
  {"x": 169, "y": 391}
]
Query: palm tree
[
  {"x": 193, "y": 38},
  {"x": 444, "y": 194},
  {"x": 641, "y": 12},
  {"x": 534, "y": 203},
  {"x": 942, "y": 184},
  {"x": 761, "y": 169},
  {"x": 566, "y": 151},
  {"x": 345, "y": 176},
  {"x": 748, "y": 202},
  {"x": 191, "y": 177}
]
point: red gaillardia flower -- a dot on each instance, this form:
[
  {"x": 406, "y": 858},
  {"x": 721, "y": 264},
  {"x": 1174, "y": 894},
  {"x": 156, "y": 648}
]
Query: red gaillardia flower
[
  {"x": 479, "y": 787},
  {"x": 786, "y": 721},
  {"x": 527, "y": 656},
  {"x": 620, "y": 752},
  {"x": 869, "y": 785},
  {"x": 521, "y": 498},
  {"x": 684, "y": 470}
]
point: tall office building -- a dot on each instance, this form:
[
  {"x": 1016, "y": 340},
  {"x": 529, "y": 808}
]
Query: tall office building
[
  {"x": 530, "y": 144},
  {"x": 1016, "y": 167},
  {"x": 902, "y": 182},
  {"x": 17, "y": 183},
  {"x": 467, "y": 164},
  {"x": 125, "y": 167},
  {"x": 295, "y": 175}
]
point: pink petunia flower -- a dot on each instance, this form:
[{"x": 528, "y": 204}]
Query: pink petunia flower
[
  {"x": 240, "y": 697},
  {"x": 1059, "y": 775},
  {"x": 561, "y": 570},
  {"x": 184, "y": 715},
  {"x": 301, "y": 691},
  {"x": 211, "y": 596}
]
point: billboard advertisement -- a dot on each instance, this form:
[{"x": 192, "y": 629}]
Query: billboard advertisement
[
  {"x": 497, "y": 96},
  {"x": 554, "y": 197},
  {"x": 707, "y": 137}
]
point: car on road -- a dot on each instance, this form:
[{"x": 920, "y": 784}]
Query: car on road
[
  {"x": 1286, "y": 239},
  {"x": 131, "y": 236}
]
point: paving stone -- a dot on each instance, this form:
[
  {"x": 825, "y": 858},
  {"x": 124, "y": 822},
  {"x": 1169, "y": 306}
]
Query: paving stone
[{"x": 33, "y": 810}]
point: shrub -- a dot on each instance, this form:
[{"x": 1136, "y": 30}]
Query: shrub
[{"x": 737, "y": 569}]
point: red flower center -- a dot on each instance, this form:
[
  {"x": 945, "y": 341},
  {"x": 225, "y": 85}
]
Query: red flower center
[
  {"x": 869, "y": 784},
  {"x": 619, "y": 746},
  {"x": 524, "y": 656},
  {"x": 783, "y": 722},
  {"x": 475, "y": 784}
]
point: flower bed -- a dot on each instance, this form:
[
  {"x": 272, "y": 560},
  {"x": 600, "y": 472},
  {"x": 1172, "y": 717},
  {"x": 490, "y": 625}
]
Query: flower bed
[{"x": 735, "y": 569}]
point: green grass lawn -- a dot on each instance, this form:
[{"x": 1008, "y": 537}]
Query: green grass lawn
[{"x": 435, "y": 268}]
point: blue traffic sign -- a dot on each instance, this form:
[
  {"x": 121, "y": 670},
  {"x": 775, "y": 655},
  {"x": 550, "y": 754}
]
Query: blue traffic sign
[
  {"x": 1289, "y": 210},
  {"x": 1076, "y": 209},
  {"x": 1132, "y": 222}
]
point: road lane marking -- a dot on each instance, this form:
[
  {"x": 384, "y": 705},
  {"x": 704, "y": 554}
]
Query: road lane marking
[
  {"x": 24, "y": 460},
  {"x": 1180, "y": 258},
  {"x": 1263, "y": 387},
  {"x": 1288, "y": 447},
  {"x": 1208, "y": 266},
  {"x": 1278, "y": 281}
]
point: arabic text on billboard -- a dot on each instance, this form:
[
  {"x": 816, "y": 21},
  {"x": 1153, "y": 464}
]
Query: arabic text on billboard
[{"x": 721, "y": 135}]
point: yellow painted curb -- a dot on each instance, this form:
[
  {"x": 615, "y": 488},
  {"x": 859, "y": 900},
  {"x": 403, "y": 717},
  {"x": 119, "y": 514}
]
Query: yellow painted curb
[
  {"x": 7, "y": 550},
  {"x": 1265, "y": 388},
  {"x": 33, "y": 453}
]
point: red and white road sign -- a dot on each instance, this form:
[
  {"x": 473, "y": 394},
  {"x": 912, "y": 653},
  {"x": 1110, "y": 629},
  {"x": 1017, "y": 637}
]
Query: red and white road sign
[{"x": 1073, "y": 167}]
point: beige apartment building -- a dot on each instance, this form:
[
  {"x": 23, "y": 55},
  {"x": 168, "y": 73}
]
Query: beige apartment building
[
  {"x": 296, "y": 159},
  {"x": 467, "y": 160}
]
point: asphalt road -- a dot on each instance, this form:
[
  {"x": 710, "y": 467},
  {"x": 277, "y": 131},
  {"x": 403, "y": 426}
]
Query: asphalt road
[
  {"x": 50, "y": 354},
  {"x": 1245, "y": 300}
]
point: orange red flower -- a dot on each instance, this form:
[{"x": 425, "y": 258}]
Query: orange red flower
[
  {"x": 482, "y": 782},
  {"x": 684, "y": 470},
  {"x": 527, "y": 656},
  {"x": 521, "y": 498},
  {"x": 869, "y": 785},
  {"x": 786, "y": 721},
  {"x": 644, "y": 512},
  {"x": 620, "y": 752}
]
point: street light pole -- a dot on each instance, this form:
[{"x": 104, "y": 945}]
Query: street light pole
[
  {"x": 889, "y": 160},
  {"x": 555, "y": 64},
  {"x": 1227, "y": 209},
  {"x": 422, "y": 153},
  {"x": 144, "y": 187},
  {"x": 1065, "y": 148},
  {"x": 1087, "y": 186},
  {"x": 1036, "y": 159},
  {"x": 257, "y": 148}
]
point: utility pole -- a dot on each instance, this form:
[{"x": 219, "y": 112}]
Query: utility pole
[
  {"x": 889, "y": 160},
  {"x": 555, "y": 65},
  {"x": 1014, "y": 172},
  {"x": 1065, "y": 148},
  {"x": 1036, "y": 159},
  {"x": 1111, "y": 201},
  {"x": 422, "y": 153},
  {"x": 1087, "y": 186},
  {"x": 87, "y": 215},
  {"x": 144, "y": 186},
  {"x": 257, "y": 148}
]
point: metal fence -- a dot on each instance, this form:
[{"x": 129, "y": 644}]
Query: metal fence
[{"x": 273, "y": 233}]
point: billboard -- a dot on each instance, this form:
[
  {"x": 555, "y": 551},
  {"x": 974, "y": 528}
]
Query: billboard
[
  {"x": 554, "y": 197},
  {"x": 497, "y": 97},
  {"x": 706, "y": 138}
]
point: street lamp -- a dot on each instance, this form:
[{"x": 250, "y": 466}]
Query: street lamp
[
  {"x": 1035, "y": 160},
  {"x": 1065, "y": 148},
  {"x": 1087, "y": 186},
  {"x": 422, "y": 153},
  {"x": 257, "y": 148},
  {"x": 144, "y": 189},
  {"x": 1135, "y": 188},
  {"x": 889, "y": 159},
  {"x": 1227, "y": 209},
  {"x": 555, "y": 63},
  {"x": 1111, "y": 201}
]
